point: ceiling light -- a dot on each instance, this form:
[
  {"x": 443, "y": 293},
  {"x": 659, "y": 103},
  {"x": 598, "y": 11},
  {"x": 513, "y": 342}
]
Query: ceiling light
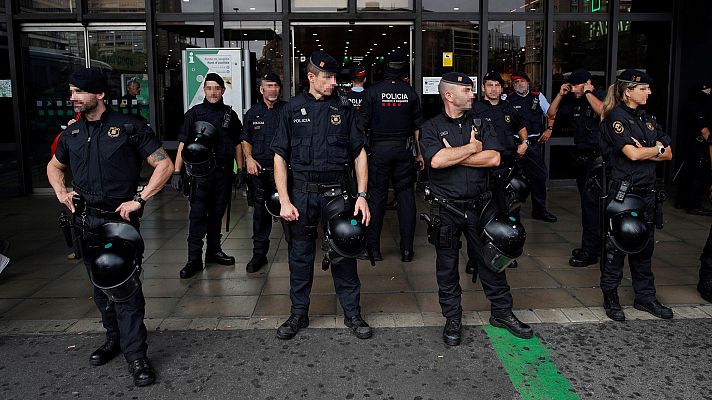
[
  {"x": 313, "y": 34},
  {"x": 456, "y": 8},
  {"x": 202, "y": 31}
]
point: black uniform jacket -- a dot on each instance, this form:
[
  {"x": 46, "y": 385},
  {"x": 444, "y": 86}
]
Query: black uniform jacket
[
  {"x": 620, "y": 127},
  {"x": 456, "y": 182}
]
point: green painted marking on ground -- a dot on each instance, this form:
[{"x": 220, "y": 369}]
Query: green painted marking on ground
[{"x": 529, "y": 367}]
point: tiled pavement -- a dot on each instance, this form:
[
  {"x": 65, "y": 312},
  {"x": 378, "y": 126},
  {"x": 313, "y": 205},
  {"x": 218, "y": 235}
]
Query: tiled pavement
[{"x": 43, "y": 291}]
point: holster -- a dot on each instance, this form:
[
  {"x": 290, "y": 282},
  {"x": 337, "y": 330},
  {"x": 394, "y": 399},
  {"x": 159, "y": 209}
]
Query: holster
[{"x": 439, "y": 235}]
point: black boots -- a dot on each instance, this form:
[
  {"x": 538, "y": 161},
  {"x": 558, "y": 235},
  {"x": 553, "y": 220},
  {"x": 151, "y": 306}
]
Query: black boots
[
  {"x": 407, "y": 255},
  {"x": 291, "y": 326},
  {"x": 191, "y": 268},
  {"x": 452, "y": 333},
  {"x": 511, "y": 323},
  {"x": 582, "y": 258},
  {"x": 142, "y": 371},
  {"x": 105, "y": 353},
  {"x": 219, "y": 257},
  {"x": 256, "y": 263},
  {"x": 613, "y": 306},
  {"x": 358, "y": 326},
  {"x": 655, "y": 308}
]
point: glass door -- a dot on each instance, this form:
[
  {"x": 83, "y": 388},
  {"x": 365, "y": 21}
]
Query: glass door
[
  {"x": 351, "y": 44},
  {"x": 49, "y": 56}
]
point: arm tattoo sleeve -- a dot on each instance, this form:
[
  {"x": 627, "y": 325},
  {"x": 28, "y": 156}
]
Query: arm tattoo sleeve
[{"x": 158, "y": 155}]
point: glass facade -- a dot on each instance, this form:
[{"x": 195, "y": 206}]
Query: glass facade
[
  {"x": 451, "y": 6},
  {"x": 470, "y": 36},
  {"x": 172, "y": 39},
  {"x": 517, "y": 46}
]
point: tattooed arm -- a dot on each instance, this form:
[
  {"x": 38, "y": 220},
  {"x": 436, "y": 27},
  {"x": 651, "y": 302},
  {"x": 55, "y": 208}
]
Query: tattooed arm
[{"x": 163, "y": 169}]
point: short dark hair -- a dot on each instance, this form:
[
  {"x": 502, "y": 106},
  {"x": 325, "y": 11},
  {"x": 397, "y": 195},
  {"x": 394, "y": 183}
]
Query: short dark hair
[{"x": 313, "y": 69}]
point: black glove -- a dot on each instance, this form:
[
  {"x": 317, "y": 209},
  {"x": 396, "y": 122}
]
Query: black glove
[
  {"x": 177, "y": 181},
  {"x": 240, "y": 177}
]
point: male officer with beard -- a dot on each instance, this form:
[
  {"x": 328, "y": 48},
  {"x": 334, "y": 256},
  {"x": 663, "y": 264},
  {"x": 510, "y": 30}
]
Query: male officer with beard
[
  {"x": 391, "y": 114},
  {"x": 211, "y": 193},
  {"x": 104, "y": 151},
  {"x": 257, "y": 134},
  {"x": 459, "y": 149},
  {"x": 319, "y": 136},
  {"x": 532, "y": 107}
]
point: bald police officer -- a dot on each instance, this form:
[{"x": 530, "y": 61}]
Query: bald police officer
[
  {"x": 458, "y": 149},
  {"x": 318, "y": 135},
  {"x": 257, "y": 134},
  {"x": 104, "y": 151}
]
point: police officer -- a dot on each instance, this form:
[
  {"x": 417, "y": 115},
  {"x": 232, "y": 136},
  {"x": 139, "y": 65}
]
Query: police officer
[
  {"x": 357, "y": 91},
  {"x": 532, "y": 107},
  {"x": 318, "y": 135},
  {"x": 576, "y": 108},
  {"x": 457, "y": 154},
  {"x": 634, "y": 144},
  {"x": 391, "y": 114},
  {"x": 511, "y": 133},
  {"x": 694, "y": 187},
  {"x": 104, "y": 151},
  {"x": 211, "y": 193},
  {"x": 257, "y": 134}
]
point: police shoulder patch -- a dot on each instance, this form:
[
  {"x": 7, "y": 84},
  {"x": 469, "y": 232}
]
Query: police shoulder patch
[
  {"x": 335, "y": 119},
  {"x": 618, "y": 127},
  {"x": 650, "y": 126},
  {"x": 114, "y": 132},
  {"x": 507, "y": 118}
]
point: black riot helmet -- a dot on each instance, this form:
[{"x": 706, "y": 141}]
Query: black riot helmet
[
  {"x": 272, "y": 203},
  {"x": 115, "y": 250},
  {"x": 198, "y": 154},
  {"x": 516, "y": 191},
  {"x": 344, "y": 232},
  {"x": 628, "y": 231},
  {"x": 503, "y": 236}
]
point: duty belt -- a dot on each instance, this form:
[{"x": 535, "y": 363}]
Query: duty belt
[
  {"x": 328, "y": 189},
  {"x": 638, "y": 190}
]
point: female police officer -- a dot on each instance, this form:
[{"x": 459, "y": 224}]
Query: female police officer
[{"x": 634, "y": 143}]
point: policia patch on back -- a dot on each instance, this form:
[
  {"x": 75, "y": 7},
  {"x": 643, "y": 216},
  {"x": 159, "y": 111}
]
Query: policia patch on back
[{"x": 618, "y": 127}]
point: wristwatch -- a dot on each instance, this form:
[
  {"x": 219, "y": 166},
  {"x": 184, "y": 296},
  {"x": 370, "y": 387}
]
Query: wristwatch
[
  {"x": 527, "y": 142},
  {"x": 137, "y": 198},
  {"x": 661, "y": 150},
  {"x": 364, "y": 195}
]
